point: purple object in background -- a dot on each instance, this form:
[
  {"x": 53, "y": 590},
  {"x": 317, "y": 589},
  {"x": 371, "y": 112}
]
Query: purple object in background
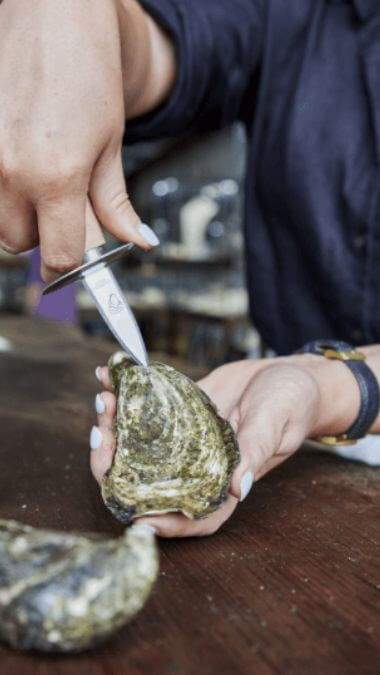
[{"x": 59, "y": 306}]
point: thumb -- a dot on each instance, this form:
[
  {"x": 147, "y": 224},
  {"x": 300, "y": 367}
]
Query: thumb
[
  {"x": 259, "y": 440},
  {"x": 112, "y": 205}
]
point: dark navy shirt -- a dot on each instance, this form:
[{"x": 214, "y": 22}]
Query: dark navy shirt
[{"x": 304, "y": 77}]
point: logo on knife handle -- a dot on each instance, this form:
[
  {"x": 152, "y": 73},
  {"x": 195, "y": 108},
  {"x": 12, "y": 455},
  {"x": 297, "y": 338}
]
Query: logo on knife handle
[{"x": 115, "y": 305}]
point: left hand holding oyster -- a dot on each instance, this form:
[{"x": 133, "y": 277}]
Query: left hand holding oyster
[
  {"x": 175, "y": 454},
  {"x": 272, "y": 405}
]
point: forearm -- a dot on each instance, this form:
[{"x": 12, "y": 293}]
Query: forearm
[{"x": 148, "y": 60}]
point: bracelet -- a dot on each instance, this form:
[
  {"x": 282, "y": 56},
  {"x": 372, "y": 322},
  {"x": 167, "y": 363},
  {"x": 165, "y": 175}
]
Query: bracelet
[{"x": 368, "y": 386}]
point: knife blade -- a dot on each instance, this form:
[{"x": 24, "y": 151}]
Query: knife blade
[
  {"x": 109, "y": 299},
  {"x": 113, "y": 307}
]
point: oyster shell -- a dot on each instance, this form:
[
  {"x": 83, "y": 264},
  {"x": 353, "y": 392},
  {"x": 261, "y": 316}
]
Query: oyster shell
[
  {"x": 174, "y": 452},
  {"x": 66, "y": 592}
]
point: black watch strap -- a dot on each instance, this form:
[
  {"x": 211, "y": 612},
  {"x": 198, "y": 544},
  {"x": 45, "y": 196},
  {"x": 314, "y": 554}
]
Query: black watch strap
[{"x": 368, "y": 385}]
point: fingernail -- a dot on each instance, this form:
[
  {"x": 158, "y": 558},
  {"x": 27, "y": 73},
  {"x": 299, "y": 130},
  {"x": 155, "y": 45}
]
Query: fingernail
[
  {"x": 144, "y": 526},
  {"x": 97, "y": 373},
  {"x": 148, "y": 234},
  {"x": 245, "y": 485},
  {"x": 95, "y": 438},
  {"x": 99, "y": 405}
]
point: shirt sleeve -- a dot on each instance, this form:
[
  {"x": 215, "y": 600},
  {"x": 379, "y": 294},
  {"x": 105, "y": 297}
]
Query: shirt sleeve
[{"x": 218, "y": 44}]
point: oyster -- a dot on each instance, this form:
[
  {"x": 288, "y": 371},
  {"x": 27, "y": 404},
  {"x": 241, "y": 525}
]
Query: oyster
[
  {"x": 174, "y": 452},
  {"x": 66, "y": 592}
]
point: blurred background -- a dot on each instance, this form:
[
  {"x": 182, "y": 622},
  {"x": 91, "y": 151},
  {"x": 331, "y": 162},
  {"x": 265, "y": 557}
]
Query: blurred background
[{"x": 189, "y": 294}]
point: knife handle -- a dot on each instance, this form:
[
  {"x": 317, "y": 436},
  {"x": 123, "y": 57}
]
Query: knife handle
[{"x": 94, "y": 233}]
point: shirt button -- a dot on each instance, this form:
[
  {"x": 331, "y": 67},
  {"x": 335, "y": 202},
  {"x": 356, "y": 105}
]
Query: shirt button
[{"x": 357, "y": 335}]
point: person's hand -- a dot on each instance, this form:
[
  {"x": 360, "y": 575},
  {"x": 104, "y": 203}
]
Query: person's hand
[
  {"x": 272, "y": 405},
  {"x": 61, "y": 125}
]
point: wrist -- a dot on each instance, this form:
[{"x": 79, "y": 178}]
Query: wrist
[
  {"x": 148, "y": 59},
  {"x": 339, "y": 395}
]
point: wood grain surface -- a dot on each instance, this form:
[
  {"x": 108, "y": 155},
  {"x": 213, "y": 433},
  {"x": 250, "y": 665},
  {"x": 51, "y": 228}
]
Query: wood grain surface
[{"x": 290, "y": 585}]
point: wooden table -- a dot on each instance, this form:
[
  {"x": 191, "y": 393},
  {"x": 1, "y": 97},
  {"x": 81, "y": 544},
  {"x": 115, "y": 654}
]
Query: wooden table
[{"x": 290, "y": 585}]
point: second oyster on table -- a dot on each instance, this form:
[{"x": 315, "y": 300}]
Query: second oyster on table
[
  {"x": 64, "y": 592},
  {"x": 174, "y": 451}
]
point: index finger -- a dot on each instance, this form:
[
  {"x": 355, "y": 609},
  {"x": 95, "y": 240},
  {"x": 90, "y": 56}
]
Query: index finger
[{"x": 61, "y": 224}]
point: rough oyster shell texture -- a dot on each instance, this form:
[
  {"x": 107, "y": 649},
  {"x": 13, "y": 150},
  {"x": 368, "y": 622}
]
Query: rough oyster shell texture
[
  {"x": 66, "y": 592},
  {"x": 174, "y": 451}
]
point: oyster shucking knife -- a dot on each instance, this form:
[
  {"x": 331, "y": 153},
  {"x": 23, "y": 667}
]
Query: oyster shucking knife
[{"x": 100, "y": 282}]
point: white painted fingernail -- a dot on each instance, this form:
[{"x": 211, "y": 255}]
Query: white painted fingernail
[
  {"x": 148, "y": 234},
  {"x": 99, "y": 405},
  {"x": 144, "y": 526},
  {"x": 97, "y": 373},
  {"x": 246, "y": 484},
  {"x": 95, "y": 438}
]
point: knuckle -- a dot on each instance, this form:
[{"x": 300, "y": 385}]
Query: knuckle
[
  {"x": 61, "y": 177},
  {"x": 12, "y": 248},
  {"x": 120, "y": 201},
  {"x": 114, "y": 202},
  {"x": 257, "y": 454},
  {"x": 109, "y": 401},
  {"x": 61, "y": 264},
  {"x": 18, "y": 244}
]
